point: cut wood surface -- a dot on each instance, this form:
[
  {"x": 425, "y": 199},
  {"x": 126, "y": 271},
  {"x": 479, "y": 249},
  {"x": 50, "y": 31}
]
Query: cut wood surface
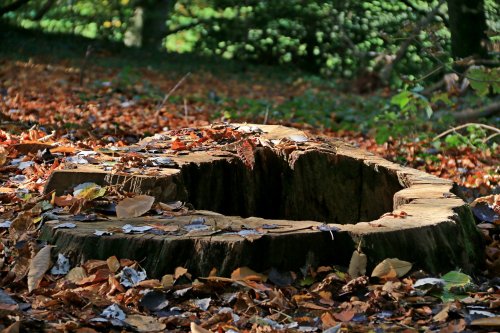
[{"x": 274, "y": 209}]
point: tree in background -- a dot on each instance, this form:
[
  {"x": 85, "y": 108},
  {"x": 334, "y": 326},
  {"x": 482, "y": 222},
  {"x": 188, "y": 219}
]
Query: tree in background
[
  {"x": 322, "y": 36},
  {"x": 468, "y": 28}
]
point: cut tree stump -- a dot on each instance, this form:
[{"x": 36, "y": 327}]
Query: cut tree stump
[{"x": 296, "y": 200}]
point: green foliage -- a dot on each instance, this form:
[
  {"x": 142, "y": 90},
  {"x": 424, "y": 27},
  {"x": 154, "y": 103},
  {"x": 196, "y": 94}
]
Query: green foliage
[
  {"x": 456, "y": 286},
  {"x": 90, "y": 18},
  {"x": 334, "y": 38},
  {"x": 484, "y": 80},
  {"x": 475, "y": 138},
  {"x": 408, "y": 112}
]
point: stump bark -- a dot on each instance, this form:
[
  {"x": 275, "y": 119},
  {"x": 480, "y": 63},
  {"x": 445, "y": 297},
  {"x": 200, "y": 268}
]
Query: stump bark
[{"x": 272, "y": 213}]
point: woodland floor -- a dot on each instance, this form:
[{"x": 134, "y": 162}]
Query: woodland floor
[{"x": 122, "y": 97}]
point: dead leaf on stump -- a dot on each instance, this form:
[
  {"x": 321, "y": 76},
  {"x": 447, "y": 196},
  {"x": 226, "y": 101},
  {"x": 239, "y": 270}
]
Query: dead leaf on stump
[{"x": 38, "y": 267}]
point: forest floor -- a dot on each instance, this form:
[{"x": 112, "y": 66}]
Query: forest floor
[{"x": 52, "y": 94}]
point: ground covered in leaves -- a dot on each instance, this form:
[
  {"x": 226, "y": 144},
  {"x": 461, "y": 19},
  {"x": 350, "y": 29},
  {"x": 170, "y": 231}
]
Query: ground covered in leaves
[{"x": 50, "y": 114}]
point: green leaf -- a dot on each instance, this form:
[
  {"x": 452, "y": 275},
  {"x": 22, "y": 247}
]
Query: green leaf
[
  {"x": 455, "y": 285},
  {"x": 428, "y": 111},
  {"x": 307, "y": 281},
  {"x": 402, "y": 99},
  {"x": 479, "y": 79},
  {"x": 443, "y": 97},
  {"x": 383, "y": 133}
]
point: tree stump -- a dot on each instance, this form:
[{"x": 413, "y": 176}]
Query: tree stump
[{"x": 272, "y": 196}]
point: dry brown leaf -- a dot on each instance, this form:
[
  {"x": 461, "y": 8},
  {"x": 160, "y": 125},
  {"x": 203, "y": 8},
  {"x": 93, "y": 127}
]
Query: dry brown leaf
[
  {"x": 76, "y": 274},
  {"x": 180, "y": 271},
  {"x": 167, "y": 281},
  {"x": 327, "y": 320},
  {"x": 391, "y": 268},
  {"x": 63, "y": 149},
  {"x": 245, "y": 273},
  {"x": 245, "y": 152},
  {"x": 113, "y": 264},
  {"x": 489, "y": 321},
  {"x": 454, "y": 327},
  {"x": 442, "y": 315},
  {"x": 152, "y": 283},
  {"x": 85, "y": 330},
  {"x": 3, "y": 155},
  {"x": 357, "y": 265},
  {"x": 145, "y": 323},
  {"x": 345, "y": 315},
  {"x": 198, "y": 329},
  {"x": 38, "y": 266},
  {"x": 93, "y": 265},
  {"x": 134, "y": 207},
  {"x": 14, "y": 328}
]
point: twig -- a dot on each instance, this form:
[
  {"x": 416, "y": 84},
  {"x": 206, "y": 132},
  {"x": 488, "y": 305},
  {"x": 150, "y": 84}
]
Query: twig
[
  {"x": 185, "y": 111},
  {"x": 490, "y": 137},
  {"x": 454, "y": 129},
  {"x": 172, "y": 91},
  {"x": 266, "y": 115},
  {"x": 48, "y": 136},
  {"x": 158, "y": 108},
  {"x": 85, "y": 63},
  {"x": 385, "y": 73}
]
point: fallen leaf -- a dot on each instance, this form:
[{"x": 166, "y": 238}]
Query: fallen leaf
[
  {"x": 76, "y": 274},
  {"x": 180, "y": 271},
  {"x": 3, "y": 155},
  {"x": 38, "y": 266},
  {"x": 245, "y": 152},
  {"x": 145, "y": 323},
  {"x": 357, "y": 265},
  {"x": 442, "y": 315},
  {"x": 390, "y": 268},
  {"x": 113, "y": 264},
  {"x": 198, "y": 329},
  {"x": 245, "y": 273},
  {"x": 63, "y": 149},
  {"x": 13, "y": 328},
  {"x": 345, "y": 315},
  {"x": 167, "y": 281},
  {"x": 454, "y": 326},
  {"x": 134, "y": 207},
  {"x": 62, "y": 265},
  {"x": 178, "y": 145},
  {"x": 491, "y": 321},
  {"x": 88, "y": 191}
]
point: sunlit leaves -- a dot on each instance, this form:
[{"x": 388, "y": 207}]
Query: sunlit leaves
[{"x": 484, "y": 80}]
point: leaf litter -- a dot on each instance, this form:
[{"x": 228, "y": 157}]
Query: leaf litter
[{"x": 37, "y": 295}]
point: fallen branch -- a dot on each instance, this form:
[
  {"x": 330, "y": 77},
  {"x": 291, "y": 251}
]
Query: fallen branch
[
  {"x": 485, "y": 111},
  {"x": 454, "y": 129}
]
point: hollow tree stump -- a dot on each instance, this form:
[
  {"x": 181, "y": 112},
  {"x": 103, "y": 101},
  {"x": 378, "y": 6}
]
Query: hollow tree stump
[{"x": 265, "y": 193}]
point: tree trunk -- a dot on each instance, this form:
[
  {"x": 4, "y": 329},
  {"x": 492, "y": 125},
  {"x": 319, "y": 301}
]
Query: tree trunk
[
  {"x": 13, "y": 6},
  {"x": 154, "y": 28},
  {"x": 467, "y": 27}
]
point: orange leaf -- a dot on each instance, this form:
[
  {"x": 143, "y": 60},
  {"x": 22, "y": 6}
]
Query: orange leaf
[{"x": 178, "y": 145}]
